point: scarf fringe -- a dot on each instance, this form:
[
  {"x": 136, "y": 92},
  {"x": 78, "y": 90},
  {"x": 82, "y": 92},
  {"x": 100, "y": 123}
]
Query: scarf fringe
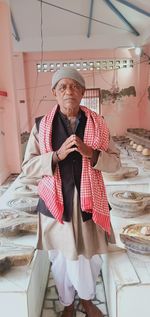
[{"x": 103, "y": 221}]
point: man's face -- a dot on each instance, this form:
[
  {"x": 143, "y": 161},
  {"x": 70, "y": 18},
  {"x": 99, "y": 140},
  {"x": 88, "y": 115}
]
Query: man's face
[{"x": 68, "y": 94}]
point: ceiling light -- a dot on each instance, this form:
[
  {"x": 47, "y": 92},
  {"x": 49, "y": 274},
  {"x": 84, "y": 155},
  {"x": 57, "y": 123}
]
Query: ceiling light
[{"x": 138, "y": 51}]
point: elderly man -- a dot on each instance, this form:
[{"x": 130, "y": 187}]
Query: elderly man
[{"x": 67, "y": 151}]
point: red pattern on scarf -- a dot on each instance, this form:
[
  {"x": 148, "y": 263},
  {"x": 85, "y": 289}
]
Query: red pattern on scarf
[{"x": 93, "y": 194}]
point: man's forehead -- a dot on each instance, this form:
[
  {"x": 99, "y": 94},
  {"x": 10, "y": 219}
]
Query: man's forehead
[{"x": 67, "y": 81}]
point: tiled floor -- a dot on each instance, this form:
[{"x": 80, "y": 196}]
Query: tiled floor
[{"x": 53, "y": 308}]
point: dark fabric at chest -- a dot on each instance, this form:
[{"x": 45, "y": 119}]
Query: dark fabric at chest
[{"x": 70, "y": 167}]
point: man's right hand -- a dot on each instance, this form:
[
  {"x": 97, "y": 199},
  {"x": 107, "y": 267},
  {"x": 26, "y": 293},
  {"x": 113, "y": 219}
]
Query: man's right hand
[{"x": 67, "y": 147}]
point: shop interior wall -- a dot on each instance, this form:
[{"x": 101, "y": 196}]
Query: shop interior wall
[{"x": 34, "y": 91}]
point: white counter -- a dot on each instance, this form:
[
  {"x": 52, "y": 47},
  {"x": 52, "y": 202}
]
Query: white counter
[
  {"x": 22, "y": 288},
  {"x": 140, "y": 183},
  {"x": 127, "y": 285},
  {"x": 127, "y": 277}
]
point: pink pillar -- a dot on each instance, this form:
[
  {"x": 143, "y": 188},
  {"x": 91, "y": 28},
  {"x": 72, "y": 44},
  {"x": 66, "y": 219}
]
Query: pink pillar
[
  {"x": 10, "y": 145},
  {"x": 22, "y": 104}
]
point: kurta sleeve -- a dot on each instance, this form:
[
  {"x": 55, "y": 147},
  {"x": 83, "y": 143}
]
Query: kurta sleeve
[
  {"x": 108, "y": 161},
  {"x": 35, "y": 164}
]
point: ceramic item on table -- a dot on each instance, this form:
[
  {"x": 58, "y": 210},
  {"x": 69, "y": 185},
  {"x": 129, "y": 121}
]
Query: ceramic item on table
[
  {"x": 139, "y": 148},
  {"x": 26, "y": 204},
  {"x": 146, "y": 152},
  {"x": 12, "y": 254},
  {"x": 136, "y": 238},
  {"x": 15, "y": 223},
  {"x": 26, "y": 190},
  {"x": 123, "y": 172},
  {"x": 134, "y": 146},
  {"x": 128, "y": 204},
  {"x": 131, "y": 142}
]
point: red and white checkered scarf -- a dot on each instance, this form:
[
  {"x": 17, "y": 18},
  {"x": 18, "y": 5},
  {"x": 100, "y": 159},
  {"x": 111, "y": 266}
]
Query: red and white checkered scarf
[{"x": 92, "y": 194}]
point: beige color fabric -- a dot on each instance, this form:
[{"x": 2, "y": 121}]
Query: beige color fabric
[
  {"x": 37, "y": 165},
  {"x": 79, "y": 238},
  {"x": 76, "y": 237}
]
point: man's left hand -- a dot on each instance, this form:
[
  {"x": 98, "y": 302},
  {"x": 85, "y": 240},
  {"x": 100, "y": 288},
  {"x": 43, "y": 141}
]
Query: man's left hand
[{"x": 82, "y": 148}]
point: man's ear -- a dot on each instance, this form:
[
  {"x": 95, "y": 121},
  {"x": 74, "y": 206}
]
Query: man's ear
[
  {"x": 83, "y": 91},
  {"x": 53, "y": 92}
]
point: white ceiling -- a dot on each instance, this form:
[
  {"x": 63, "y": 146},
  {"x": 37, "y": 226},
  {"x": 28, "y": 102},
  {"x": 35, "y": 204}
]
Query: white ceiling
[{"x": 64, "y": 30}]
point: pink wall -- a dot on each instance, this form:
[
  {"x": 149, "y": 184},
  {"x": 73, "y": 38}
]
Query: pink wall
[
  {"x": 10, "y": 154},
  {"x": 121, "y": 115},
  {"x": 22, "y": 108},
  {"x": 29, "y": 93}
]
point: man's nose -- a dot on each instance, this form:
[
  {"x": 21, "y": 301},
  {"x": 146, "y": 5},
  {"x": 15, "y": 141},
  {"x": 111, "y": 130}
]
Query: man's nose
[{"x": 69, "y": 89}]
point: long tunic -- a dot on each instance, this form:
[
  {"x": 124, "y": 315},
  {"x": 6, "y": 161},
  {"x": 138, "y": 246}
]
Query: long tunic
[{"x": 75, "y": 237}]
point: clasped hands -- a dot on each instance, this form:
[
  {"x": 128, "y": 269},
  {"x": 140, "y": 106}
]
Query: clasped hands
[{"x": 74, "y": 143}]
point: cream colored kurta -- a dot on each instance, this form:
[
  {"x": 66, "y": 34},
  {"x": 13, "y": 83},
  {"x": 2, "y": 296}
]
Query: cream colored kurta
[{"x": 75, "y": 237}]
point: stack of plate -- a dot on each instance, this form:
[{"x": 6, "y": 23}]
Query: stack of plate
[
  {"x": 128, "y": 204},
  {"x": 12, "y": 254},
  {"x": 136, "y": 238},
  {"x": 123, "y": 172},
  {"x": 26, "y": 204},
  {"x": 15, "y": 222},
  {"x": 26, "y": 190}
]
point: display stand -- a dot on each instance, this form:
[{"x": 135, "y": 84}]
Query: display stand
[
  {"x": 22, "y": 288},
  {"x": 127, "y": 277}
]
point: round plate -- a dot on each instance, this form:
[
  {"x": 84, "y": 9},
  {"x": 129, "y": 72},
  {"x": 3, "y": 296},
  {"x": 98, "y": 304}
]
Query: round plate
[
  {"x": 123, "y": 172},
  {"x": 128, "y": 196},
  {"x": 136, "y": 238},
  {"x": 27, "y": 204}
]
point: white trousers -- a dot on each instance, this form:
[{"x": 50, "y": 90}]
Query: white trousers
[{"x": 71, "y": 276}]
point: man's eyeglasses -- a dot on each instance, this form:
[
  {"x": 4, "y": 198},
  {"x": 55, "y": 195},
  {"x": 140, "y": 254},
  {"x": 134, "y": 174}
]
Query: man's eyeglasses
[{"x": 63, "y": 87}]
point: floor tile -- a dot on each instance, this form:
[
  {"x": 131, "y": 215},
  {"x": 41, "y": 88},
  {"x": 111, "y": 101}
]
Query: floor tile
[{"x": 53, "y": 308}]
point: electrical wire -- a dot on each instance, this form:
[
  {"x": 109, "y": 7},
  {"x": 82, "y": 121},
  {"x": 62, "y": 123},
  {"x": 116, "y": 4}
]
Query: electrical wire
[
  {"x": 41, "y": 30},
  {"x": 84, "y": 16}
]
